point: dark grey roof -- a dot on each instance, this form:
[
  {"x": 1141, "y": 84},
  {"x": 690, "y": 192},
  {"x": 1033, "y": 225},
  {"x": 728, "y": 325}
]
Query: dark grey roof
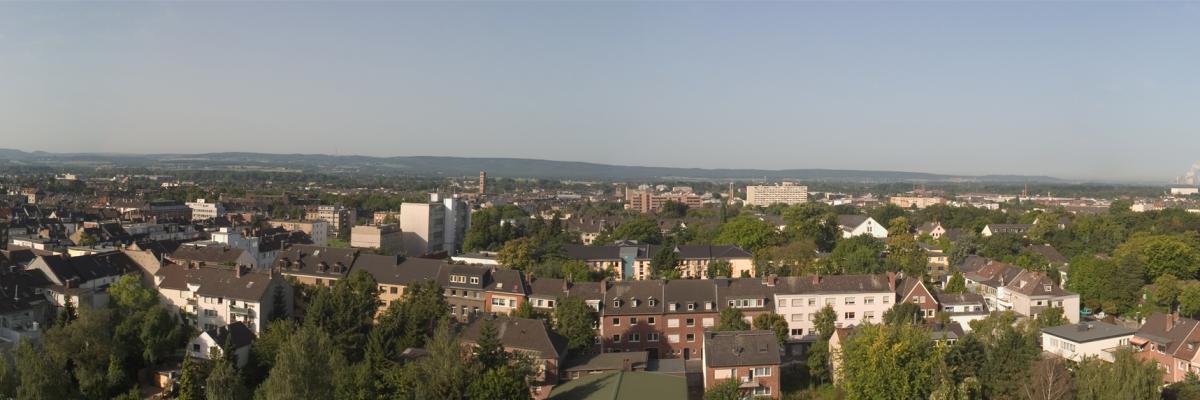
[
  {"x": 851, "y": 221},
  {"x": 740, "y": 348},
  {"x": 521, "y": 333},
  {"x": 547, "y": 287},
  {"x": 316, "y": 260},
  {"x": 683, "y": 292},
  {"x": 477, "y": 271},
  {"x": 586, "y": 290},
  {"x": 508, "y": 281},
  {"x": 835, "y": 284},
  {"x": 17, "y": 290},
  {"x": 644, "y": 252},
  {"x": 745, "y": 288},
  {"x": 581, "y": 252},
  {"x": 88, "y": 267},
  {"x": 207, "y": 254},
  {"x": 1088, "y": 331},
  {"x": 951, "y": 299},
  {"x": 392, "y": 270},
  {"x": 216, "y": 281},
  {"x": 1049, "y": 252},
  {"x": 628, "y": 291},
  {"x": 607, "y": 361},
  {"x": 950, "y": 331},
  {"x": 236, "y": 335}
]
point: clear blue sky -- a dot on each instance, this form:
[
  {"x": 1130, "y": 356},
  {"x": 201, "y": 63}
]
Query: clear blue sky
[{"x": 1070, "y": 89}]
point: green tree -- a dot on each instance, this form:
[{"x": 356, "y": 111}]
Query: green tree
[
  {"x": 673, "y": 209},
  {"x": 41, "y": 377},
  {"x": 128, "y": 294},
  {"x": 825, "y": 321},
  {"x": 446, "y": 373},
  {"x": 1189, "y": 301},
  {"x": 521, "y": 254},
  {"x": 492, "y": 227},
  {"x": 905, "y": 255},
  {"x": 1161, "y": 254},
  {"x": 67, "y": 314},
  {"x": 858, "y": 255},
  {"x": 1009, "y": 359},
  {"x": 903, "y": 314},
  {"x": 10, "y": 378},
  {"x": 526, "y": 310},
  {"x": 749, "y": 233},
  {"x": 303, "y": 368},
  {"x": 1103, "y": 284},
  {"x": 191, "y": 386},
  {"x": 265, "y": 349},
  {"x": 573, "y": 319},
  {"x": 641, "y": 229},
  {"x": 1166, "y": 292},
  {"x": 489, "y": 351},
  {"x": 719, "y": 268},
  {"x": 728, "y": 389},
  {"x": 889, "y": 362},
  {"x": 794, "y": 258},
  {"x": 818, "y": 361},
  {"x": 224, "y": 382},
  {"x": 1051, "y": 316},
  {"x": 956, "y": 284},
  {"x": 665, "y": 263},
  {"x": 813, "y": 222},
  {"x": 346, "y": 312},
  {"x": 501, "y": 383},
  {"x": 772, "y": 322},
  {"x": 86, "y": 239},
  {"x": 1125, "y": 378},
  {"x": 966, "y": 357},
  {"x": 731, "y": 319}
]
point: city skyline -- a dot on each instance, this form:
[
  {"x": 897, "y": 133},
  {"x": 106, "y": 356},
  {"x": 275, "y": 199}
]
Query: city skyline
[{"x": 1073, "y": 90}]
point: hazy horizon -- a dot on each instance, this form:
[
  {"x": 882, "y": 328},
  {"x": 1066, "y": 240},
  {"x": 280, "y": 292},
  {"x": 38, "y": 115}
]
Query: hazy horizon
[{"x": 1098, "y": 91}]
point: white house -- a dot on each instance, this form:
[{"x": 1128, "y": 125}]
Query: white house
[
  {"x": 855, "y": 225},
  {"x": 856, "y": 299},
  {"x": 202, "y": 210},
  {"x": 963, "y": 308},
  {"x": 214, "y": 296},
  {"x": 1007, "y": 287},
  {"x": 236, "y": 336},
  {"x": 1085, "y": 339}
]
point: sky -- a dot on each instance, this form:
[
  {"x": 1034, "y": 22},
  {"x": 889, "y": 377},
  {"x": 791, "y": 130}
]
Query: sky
[{"x": 1084, "y": 90}]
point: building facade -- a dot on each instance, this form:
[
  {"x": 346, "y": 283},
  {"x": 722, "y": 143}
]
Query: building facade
[{"x": 785, "y": 193}]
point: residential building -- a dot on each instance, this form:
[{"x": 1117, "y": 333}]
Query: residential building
[
  {"x": 750, "y": 357},
  {"x": 463, "y": 287},
  {"x": 386, "y": 238},
  {"x": 235, "y": 338},
  {"x": 1170, "y": 341},
  {"x": 1007, "y": 287},
  {"x": 1085, "y": 339},
  {"x": 504, "y": 292},
  {"x": 647, "y": 202},
  {"x": 1011, "y": 229},
  {"x": 934, "y": 229},
  {"x": 1184, "y": 190},
  {"x": 632, "y": 261},
  {"x": 913, "y": 290},
  {"x": 318, "y": 230},
  {"x": 907, "y": 202},
  {"x": 581, "y": 365},
  {"x": 785, "y": 193},
  {"x": 529, "y": 337},
  {"x": 856, "y": 225},
  {"x": 457, "y": 220},
  {"x": 25, "y": 310},
  {"x": 690, "y": 308},
  {"x": 201, "y": 255},
  {"x": 856, "y": 299},
  {"x": 83, "y": 279},
  {"x": 205, "y": 210},
  {"x": 963, "y": 307},
  {"x": 214, "y": 296},
  {"x": 315, "y": 265},
  {"x": 338, "y": 217},
  {"x": 423, "y": 227},
  {"x": 395, "y": 274},
  {"x": 628, "y": 308},
  {"x": 385, "y": 217},
  {"x": 939, "y": 261}
]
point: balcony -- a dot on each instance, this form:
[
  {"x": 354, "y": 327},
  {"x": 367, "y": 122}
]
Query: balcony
[
  {"x": 239, "y": 311},
  {"x": 747, "y": 382}
]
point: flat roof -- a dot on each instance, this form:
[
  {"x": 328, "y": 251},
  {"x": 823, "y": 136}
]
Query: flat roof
[{"x": 1088, "y": 331}]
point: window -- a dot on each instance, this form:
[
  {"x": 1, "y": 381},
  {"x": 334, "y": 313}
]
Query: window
[
  {"x": 550, "y": 303},
  {"x": 763, "y": 371},
  {"x": 691, "y": 306},
  {"x": 869, "y": 300},
  {"x": 869, "y": 315},
  {"x": 196, "y": 347},
  {"x": 707, "y": 322},
  {"x": 691, "y": 337},
  {"x": 633, "y": 338},
  {"x": 812, "y": 301},
  {"x": 762, "y": 391},
  {"x": 633, "y": 321},
  {"x": 849, "y": 301},
  {"x": 496, "y": 301},
  {"x": 652, "y": 337},
  {"x": 474, "y": 280},
  {"x": 674, "y": 306},
  {"x": 673, "y": 323},
  {"x": 636, "y": 302},
  {"x": 617, "y": 303},
  {"x": 797, "y": 317},
  {"x": 616, "y": 322},
  {"x": 616, "y": 338},
  {"x": 886, "y": 300},
  {"x": 672, "y": 338},
  {"x": 650, "y": 320},
  {"x": 797, "y": 332},
  {"x": 392, "y": 289},
  {"x": 653, "y": 302},
  {"x": 797, "y": 302},
  {"x": 458, "y": 279},
  {"x": 829, "y": 301},
  {"x": 708, "y": 305},
  {"x": 210, "y": 313},
  {"x": 690, "y": 322},
  {"x": 849, "y": 315}
]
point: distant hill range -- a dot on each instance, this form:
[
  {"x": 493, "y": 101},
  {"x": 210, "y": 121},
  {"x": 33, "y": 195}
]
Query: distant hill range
[{"x": 465, "y": 166}]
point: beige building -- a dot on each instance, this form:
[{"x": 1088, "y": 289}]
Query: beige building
[
  {"x": 630, "y": 262},
  {"x": 786, "y": 193},
  {"x": 915, "y": 201},
  {"x": 318, "y": 230},
  {"x": 384, "y": 237},
  {"x": 423, "y": 227},
  {"x": 215, "y": 296},
  {"x": 646, "y": 202},
  {"x": 337, "y": 216},
  {"x": 202, "y": 210}
]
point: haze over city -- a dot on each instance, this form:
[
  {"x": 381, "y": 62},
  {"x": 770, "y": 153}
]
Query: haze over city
[{"x": 1098, "y": 91}]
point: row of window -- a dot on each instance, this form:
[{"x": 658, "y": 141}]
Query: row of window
[
  {"x": 635, "y": 337},
  {"x": 850, "y": 300},
  {"x": 671, "y": 323},
  {"x": 464, "y": 279}
]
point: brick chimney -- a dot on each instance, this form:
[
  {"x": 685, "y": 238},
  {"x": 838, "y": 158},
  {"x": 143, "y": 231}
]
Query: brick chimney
[
  {"x": 770, "y": 280},
  {"x": 891, "y": 280},
  {"x": 240, "y": 270},
  {"x": 816, "y": 279}
]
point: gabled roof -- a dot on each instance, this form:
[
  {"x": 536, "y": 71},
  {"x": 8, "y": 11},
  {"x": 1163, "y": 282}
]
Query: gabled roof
[
  {"x": 1049, "y": 252},
  {"x": 302, "y": 259},
  {"x": 740, "y": 348},
  {"x": 216, "y": 281},
  {"x": 508, "y": 281},
  {"x": 627, "y": 291},
  {"x": 207, "y": 254},
  {"x": 547, "y": 287},
  {"x": 237, "y": 335},
  {"x": 86, "y": 268},
  {"x": 851, "y": 221},
  {"x": 1032, "y": 283},
  {"x": 17, "y": 290},
  {"x": 521, "y": 333},
  {"x": 689, "y": 291},
  {"x": 392, "y": 270},
  {"x": 1172, "y": 333},
  {"x": 873, "y": 283},
  {"x": 745, "y": 288}
]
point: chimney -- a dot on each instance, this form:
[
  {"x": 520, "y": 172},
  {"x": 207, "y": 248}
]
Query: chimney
[
  {"x": 891, "y": 280},
  {"x": 240, "y": 270},
  {"x": 770, "y": 280},
  {"x": 816, "y": 279}
]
